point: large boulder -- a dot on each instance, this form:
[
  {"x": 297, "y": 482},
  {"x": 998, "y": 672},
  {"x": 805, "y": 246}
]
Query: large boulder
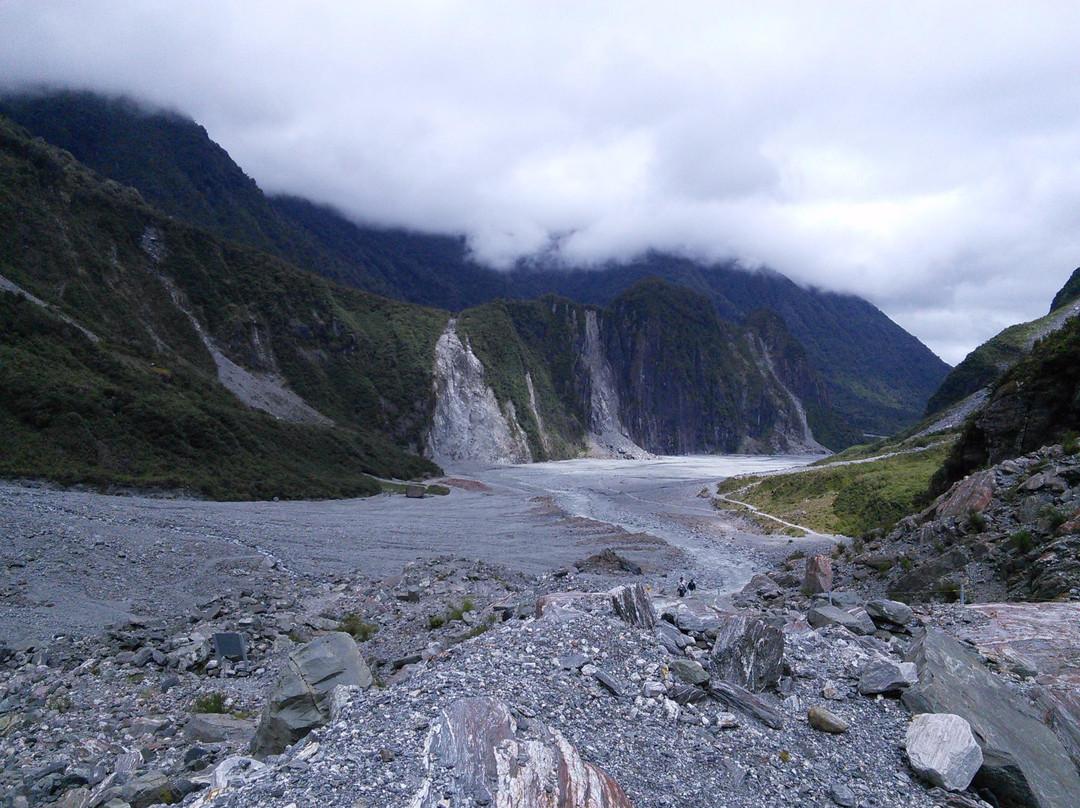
[
  {"x": 889, "y": 613},
  {"x": 857, "y": 621},
  {"x": 693, "y": 617},
  {"x": 748, "y": 651},
  {"x": 633, "y": 604},
  {"x": 819, "y": 575},
  {"x": 883, "y": 675},
  {"x": 1028, "y": 757},
  {"x": 478, "y": 755},
  {"x": 941, "y": 748},
  {"x": 302, "y": 698}
]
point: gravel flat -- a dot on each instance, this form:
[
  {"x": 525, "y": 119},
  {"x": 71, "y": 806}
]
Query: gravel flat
[{"x": 75, "y": 561}]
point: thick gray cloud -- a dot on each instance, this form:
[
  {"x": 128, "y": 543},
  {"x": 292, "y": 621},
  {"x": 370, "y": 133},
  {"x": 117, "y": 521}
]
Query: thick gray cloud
[{"x": 925, "y": 155}]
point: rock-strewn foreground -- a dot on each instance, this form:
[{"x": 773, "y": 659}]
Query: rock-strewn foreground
[{"x": 490, "y": 688}]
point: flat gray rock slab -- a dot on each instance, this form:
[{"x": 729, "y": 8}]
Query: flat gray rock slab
[
  {"x": 825, "y": 615},
  {"x": 953, "y": 680}
]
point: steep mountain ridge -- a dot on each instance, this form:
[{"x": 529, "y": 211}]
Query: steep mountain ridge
[
  {"x": 137, "y": 349},
  {"x": 110, "y": 377},
  {"x": 984, "y": 367},
  {"x": 877, "y": 376}
]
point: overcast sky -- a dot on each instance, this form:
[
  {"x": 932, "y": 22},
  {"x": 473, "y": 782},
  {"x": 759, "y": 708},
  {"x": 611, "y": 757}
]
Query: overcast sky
[{"x": 925, "y": 155}]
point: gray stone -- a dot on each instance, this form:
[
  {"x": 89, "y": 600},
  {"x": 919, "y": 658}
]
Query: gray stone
[
  {"x": 819, "y": 575},
  {"x": 687, "y": 694},
  {"x": 882, "y": 675},
  {"x": 609, "y": 681},
  {"x": 218, "y": 727},
  {"x": 761, "y": 586},
  {"x": 302, "y": 697},
  {"x": 941, "y": 749},
  {"x": 693, "y": 617},
  {"x": 825, "y": 615},
  {"x": 413, "y": 491},
  {"x": 229, "y": 645},
  {"x": 749, "y": 652},
  {"x": 689, "y": 671},
  {"x": 953, "y": 680},
  {"x": 671, "y": 638},
  {"x": 147, "y": 789},
  {"x": 826, "y": 721},
  {"x": 743, "y": 700},
  {"x": 889, "y": 613},
  {"x": 842, "y": 795},
  {"x": 573, "y": 662},
  {"x": 633, "y": 604},
  {"x": 842, "y": 598}
]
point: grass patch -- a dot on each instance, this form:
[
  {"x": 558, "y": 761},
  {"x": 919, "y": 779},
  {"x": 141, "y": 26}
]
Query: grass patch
[
  {"x": 848, "y": 500},
  {"x": 456, "y": 612},
  {"x": 360, "y": 629},
  {"x": 210, "y": 703}
]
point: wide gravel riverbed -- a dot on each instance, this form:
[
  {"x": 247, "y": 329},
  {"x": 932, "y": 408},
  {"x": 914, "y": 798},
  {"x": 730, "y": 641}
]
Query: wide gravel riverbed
[{"x": 75, "y": 560}]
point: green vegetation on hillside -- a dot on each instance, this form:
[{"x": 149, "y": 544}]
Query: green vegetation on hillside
[
  {"x": 689, "y": 381},
  {"x": 142, "y": 406},
  {"x": 1036, "y": 403},
  {"x": 75, "y": 412},
  {"x": 846, "y": 499},
  {"x": 1068, "y": 293}
]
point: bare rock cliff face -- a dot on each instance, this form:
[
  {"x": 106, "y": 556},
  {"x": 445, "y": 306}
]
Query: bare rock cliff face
[
  {"x": 608, "y": 437},
  {"x": 468, "y": 424}
]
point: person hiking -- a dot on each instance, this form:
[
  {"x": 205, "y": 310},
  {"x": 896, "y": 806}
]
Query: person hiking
[
  {"x": 690, "y": 587},
  {"x": 682, "y": 587}
]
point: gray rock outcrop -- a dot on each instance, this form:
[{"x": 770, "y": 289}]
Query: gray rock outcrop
[
  {"x": 633, "y": 604},
  {"x": 1029, "y": 757},
  {"x": 302, "y": 697},
  {"x": 941, "y": 748},
  {"x": 467, "y": 423},
  {"x": 823, "y": 614},
  {"x": 748, "y": 651}
]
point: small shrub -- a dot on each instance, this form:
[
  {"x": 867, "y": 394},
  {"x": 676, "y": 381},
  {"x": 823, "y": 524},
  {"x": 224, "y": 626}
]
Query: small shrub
[
  {"x": 976, "y": 521},
  {"x": 61, "y": 703},
  {"x": 455, "y": 613},
  {"x": 361, "y": 630},
  {"x": 796, "y": 555},
  {"x": 1071, "y": 443},
  {"x": 1022, "y": 541},
  {"x": 883, "y": 568},
  {"x": 480, "y": 628},
  {"x": 858, "y": 545},
  {"x": 906, "y": 563},
  {"x": 210, "y": 703},
  {"x": 435, "y": 621},
  {"x": 949, "y": 591},
  {"x": 1055, "y": 517}
]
